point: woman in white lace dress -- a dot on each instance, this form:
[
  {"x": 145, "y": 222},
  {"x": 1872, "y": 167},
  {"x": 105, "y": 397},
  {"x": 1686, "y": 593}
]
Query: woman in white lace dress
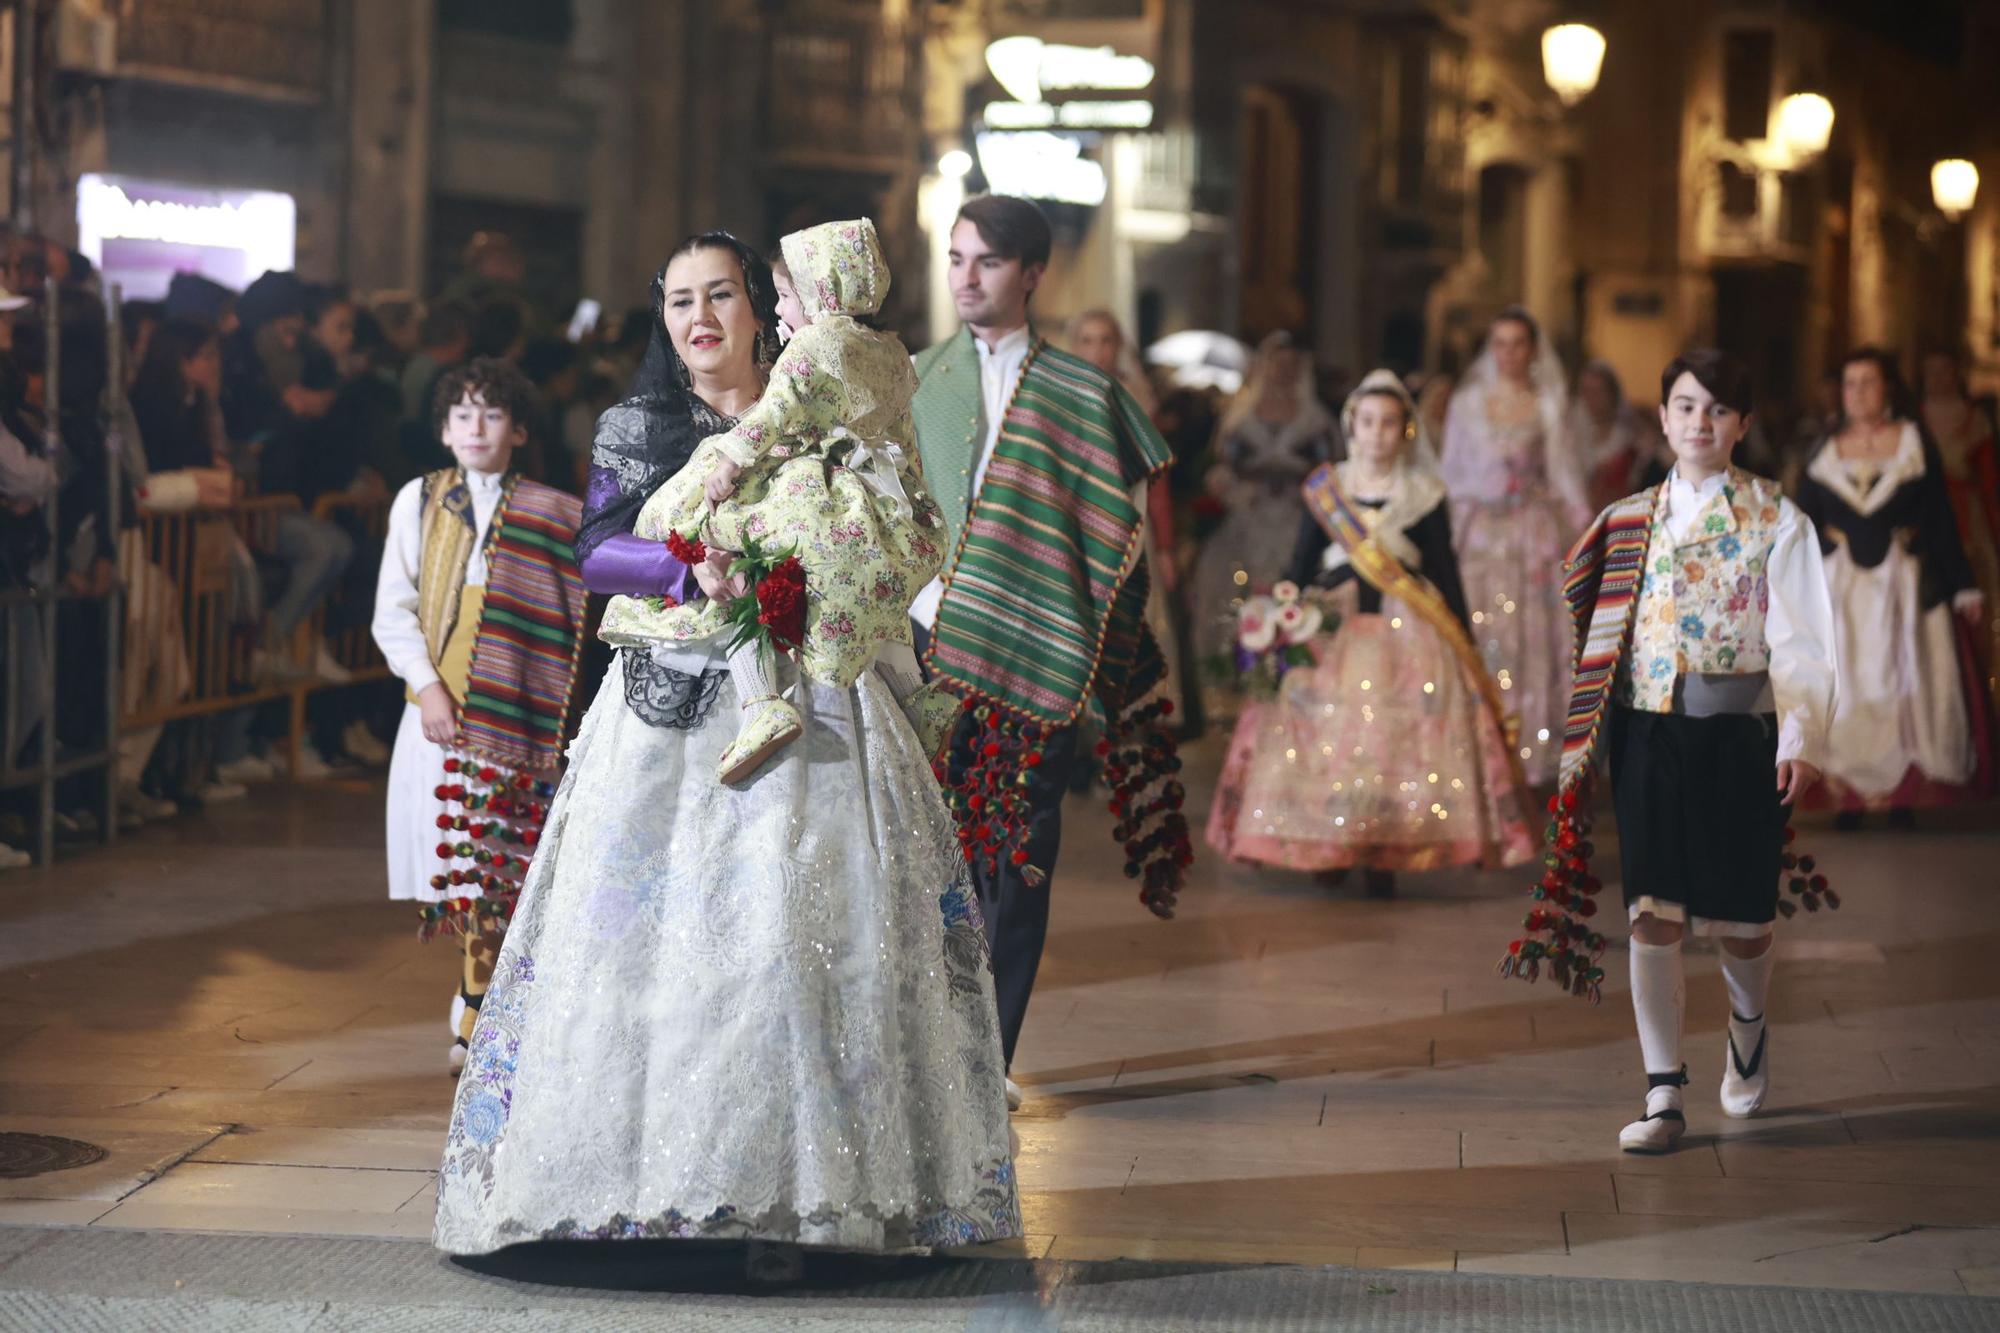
[
  {"x": 762, "y": 1013},
  {"x": 1518, "y": 500}
]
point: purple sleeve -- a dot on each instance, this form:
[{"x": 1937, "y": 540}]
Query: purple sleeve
[
  {"x": 615, "y": 561},
  {"x": 622, "y": 563}
]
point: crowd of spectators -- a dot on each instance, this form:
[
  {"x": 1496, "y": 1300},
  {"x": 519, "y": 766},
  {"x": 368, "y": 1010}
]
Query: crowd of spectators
[{"x": 286, "y": 388}]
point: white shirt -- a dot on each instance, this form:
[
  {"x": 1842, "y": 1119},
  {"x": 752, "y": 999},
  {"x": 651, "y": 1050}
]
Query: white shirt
[
  {"x": 28, "y": 478},
  {"x": 397, "y": 631},
  {"x": 1798, "y": 622}
]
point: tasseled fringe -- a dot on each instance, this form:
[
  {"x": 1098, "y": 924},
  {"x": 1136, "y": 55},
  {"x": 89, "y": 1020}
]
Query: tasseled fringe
[
  {"x": 1139, "y": 754},
  {"x": 989, "y": 802},
  {"x": 1558, "y": 939},
  {"x": 498, "y": 825},
  {"x": 1804, "y": 882},
  {"x": 468, "y": 916}
]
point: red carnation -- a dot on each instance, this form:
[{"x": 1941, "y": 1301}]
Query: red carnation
[
  {"x": 781, "y": 603},
  {"x": 685, "y": 551}
]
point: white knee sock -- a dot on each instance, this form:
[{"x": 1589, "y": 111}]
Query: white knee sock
[
  {"x": 753, "y": 670},
  {"x": 1659, "y": 1000},
  {"x": 1749, "y": 982}
]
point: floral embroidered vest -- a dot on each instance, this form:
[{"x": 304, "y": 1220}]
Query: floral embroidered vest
[{"x": 1702, "y": 604}]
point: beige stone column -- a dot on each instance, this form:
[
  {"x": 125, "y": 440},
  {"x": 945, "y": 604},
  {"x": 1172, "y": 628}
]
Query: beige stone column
[{"x": 391, "y": 84}]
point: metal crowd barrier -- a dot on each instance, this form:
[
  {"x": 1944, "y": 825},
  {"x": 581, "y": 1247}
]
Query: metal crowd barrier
[
  {"x": 180, "y": 627},
  {"x": 185, "y": 572},
  {"x": 43, "y": 601}
]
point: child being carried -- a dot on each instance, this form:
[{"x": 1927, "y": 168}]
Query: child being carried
[{"x": 824, "y": 467}]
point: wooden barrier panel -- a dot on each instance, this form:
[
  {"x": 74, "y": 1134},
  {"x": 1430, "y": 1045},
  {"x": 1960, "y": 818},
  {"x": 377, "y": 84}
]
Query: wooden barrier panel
[
  {"x": 194, "y": 634},
  {"x": 353, "y": 647}
]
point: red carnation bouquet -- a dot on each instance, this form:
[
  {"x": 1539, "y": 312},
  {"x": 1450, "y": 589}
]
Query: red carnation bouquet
[{"x": 775, "y": 607}]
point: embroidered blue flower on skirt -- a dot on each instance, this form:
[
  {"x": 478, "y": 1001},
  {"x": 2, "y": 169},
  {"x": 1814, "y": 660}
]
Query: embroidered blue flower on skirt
[
  {"x": 482, "y": 1117},
  {"x": 958, "y": 905}
]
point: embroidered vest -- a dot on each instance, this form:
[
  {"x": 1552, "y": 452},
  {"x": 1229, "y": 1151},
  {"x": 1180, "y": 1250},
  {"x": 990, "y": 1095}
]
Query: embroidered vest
[
  {"x": 949, "y": 411},
  {"x": 1702, "y": 603}
]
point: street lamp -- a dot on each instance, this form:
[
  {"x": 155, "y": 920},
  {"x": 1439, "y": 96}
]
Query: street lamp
[
  {"x": 1954, "y": 185},
  {"x": 1805, "y": 123},
  {"x": 1572, "y": 58}
]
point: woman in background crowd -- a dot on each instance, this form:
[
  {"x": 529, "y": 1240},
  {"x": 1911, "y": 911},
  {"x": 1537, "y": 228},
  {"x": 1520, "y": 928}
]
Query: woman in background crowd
[
  {"x": 1964, "y": 433},
  {"x": 1274, "y": 433},
  {"x": 1904, "y": 717},
  {"x": 1517, "y": 499}
]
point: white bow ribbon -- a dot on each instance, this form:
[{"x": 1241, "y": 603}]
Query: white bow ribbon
[{"x": 879, "y": 464}]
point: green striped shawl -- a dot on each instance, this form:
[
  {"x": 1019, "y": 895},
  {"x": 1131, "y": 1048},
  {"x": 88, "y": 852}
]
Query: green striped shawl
[{"x": 1046, "y": 591}]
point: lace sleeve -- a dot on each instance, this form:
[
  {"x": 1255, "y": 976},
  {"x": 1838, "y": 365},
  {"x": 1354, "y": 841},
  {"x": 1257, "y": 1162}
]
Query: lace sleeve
[{"x": 622, "y": 475}]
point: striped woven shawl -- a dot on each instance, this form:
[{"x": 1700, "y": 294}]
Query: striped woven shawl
[
  {"x": 1601, "y": 584},
  {"x": 530, "y": 634},
  {"x": 1046, "y": 596}
]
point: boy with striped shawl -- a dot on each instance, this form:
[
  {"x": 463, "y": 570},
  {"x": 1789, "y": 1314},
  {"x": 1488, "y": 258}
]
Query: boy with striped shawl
[
  {"x": 479, "y": 609},
  {"x": 1040, "y": 463},
  {"x": 1705, "y": 656}
]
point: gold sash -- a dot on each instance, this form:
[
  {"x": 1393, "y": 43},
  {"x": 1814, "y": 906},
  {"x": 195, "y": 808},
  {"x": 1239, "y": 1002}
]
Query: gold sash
[{"x": 1389, "y": 576}]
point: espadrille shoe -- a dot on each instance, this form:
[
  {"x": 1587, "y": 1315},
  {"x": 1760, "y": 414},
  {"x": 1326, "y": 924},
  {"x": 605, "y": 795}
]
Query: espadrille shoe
[{"x": 769, "y": 725}]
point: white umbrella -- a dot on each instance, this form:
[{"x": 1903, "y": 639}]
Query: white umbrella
[{"x": 1202, "y": 358}]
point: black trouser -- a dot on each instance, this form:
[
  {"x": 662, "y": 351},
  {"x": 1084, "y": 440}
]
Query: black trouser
[{"x": 1017, "y": 912}]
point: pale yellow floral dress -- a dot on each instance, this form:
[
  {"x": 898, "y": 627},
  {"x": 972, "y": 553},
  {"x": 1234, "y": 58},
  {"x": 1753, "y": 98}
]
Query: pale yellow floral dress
[{"x": 830, "y": 470}]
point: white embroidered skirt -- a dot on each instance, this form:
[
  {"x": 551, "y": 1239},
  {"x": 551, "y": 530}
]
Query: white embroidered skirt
[{"x": 759, "y": 1012}]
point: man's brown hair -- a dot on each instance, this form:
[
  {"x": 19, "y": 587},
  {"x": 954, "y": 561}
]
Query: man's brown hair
[{"x": 1012, "y": 228}]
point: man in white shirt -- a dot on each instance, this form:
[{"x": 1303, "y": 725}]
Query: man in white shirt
[{"x": 1043, "y": 579}]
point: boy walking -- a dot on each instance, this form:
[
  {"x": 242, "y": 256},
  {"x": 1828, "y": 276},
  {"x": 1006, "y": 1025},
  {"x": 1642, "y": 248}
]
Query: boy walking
[
  {"x": 480, "y": 611},
  {"x": 1705, "y": 653}
]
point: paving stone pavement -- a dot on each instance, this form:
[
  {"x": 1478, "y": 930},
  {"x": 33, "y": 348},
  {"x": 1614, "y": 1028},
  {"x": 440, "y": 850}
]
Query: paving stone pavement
[{"x": 1283, "y": 1075}]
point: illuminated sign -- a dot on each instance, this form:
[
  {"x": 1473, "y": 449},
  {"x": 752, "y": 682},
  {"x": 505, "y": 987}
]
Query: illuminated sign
[
  {"x": 141, "y": 232},
  {"x": 1069, "y": 115},
  {"x": 1038, "y": 165},
  {"x": 261, "y": 222},
  {"x": 1027, "y": 67}
]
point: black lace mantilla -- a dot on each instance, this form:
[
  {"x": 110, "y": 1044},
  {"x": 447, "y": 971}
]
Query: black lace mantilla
[{"x": 664, "y": 697}]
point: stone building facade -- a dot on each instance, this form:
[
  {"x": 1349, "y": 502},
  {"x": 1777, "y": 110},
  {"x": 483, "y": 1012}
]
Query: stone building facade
[{"x": 1380, "y": 175}]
